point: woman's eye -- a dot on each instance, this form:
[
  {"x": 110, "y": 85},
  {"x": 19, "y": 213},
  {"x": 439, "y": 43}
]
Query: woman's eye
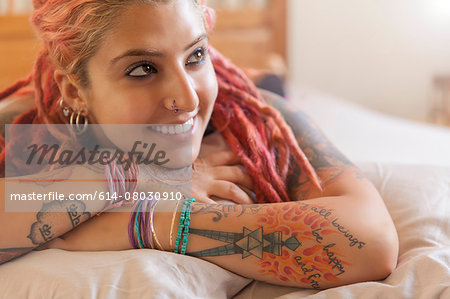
[
  {"x": 142, "y": 70},
  {"x": 197, "y": 57}
]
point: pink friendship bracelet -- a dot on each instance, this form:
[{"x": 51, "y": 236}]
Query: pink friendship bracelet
[{"x": 119, "y": 182}]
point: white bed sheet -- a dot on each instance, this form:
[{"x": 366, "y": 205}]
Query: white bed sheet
[{"x": 417, "y": 197}]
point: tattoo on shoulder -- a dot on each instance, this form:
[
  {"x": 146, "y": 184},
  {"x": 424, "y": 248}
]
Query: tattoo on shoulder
[
  {"x": 326, "y": 159},
  {"x": 49, "y": 218}
]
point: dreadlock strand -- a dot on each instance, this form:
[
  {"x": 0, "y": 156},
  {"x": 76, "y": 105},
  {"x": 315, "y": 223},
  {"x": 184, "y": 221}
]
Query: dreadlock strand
[
  {"x": 264, "y": 190},
  {"x": 13, "y": 89},
  {"x": 259, "y": 151},
  {"x": 37, "y": 77}
]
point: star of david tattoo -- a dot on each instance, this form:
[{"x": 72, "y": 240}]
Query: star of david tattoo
[{"x": 246, "y": 243}]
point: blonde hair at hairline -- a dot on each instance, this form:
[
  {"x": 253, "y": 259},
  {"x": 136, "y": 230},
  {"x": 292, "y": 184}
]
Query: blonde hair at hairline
[{"x": 72, "y": 31}]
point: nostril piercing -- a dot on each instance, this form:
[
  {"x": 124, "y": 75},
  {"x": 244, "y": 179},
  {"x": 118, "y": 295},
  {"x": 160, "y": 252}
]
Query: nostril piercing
[{"x": 173, "y": 107}]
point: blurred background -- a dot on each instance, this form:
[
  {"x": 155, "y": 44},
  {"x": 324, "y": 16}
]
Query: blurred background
[{"x": 392, "y": 56}]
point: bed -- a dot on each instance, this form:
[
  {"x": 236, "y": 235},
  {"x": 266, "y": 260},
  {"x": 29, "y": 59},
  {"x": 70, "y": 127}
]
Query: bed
[{"x": 408, "y": 162}]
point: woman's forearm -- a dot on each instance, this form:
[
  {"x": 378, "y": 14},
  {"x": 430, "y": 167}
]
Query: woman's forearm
[
  {"x": 20, "y": 232},
  {"x": 319, "y": 243}
]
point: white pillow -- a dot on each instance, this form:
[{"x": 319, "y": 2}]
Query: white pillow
[{"x": 144, "y": 273}]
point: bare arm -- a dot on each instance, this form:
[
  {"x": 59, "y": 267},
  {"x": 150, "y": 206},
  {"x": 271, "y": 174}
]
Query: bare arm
[
  {"x": 20, "y": 232},
  {"x": 312, "y": 244}
]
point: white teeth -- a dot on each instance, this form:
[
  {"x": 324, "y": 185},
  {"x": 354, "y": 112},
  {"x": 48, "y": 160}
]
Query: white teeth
[
  {"x": 178, "y": 129},
  {"x": 173, "y": 129}
]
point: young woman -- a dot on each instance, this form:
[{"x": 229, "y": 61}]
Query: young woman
[{"x": 318, "y": 222}]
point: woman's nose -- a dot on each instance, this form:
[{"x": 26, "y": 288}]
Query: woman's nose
[{"x": 181, "y": 95}]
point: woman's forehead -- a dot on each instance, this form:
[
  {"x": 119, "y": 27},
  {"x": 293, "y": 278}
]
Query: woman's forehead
[{"x": 162, "y": 26}]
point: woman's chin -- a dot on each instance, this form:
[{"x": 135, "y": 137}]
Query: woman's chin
[{"x": 179, "y": 157}]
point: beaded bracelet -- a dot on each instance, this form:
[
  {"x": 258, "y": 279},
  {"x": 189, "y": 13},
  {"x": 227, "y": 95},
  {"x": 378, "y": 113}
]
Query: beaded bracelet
[
  {"x": 186, "y": 230},
  {"x": 180, "y": 226},
  {"x": 183, "y": 226}
]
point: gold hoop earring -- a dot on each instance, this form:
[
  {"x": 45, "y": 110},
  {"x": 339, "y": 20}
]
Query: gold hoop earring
[
  {"x": 78, "y": 129},
  {"x": 66, "y": 109}
]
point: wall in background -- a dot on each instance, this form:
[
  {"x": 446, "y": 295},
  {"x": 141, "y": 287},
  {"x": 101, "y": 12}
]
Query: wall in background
[
  {"x": 15, "y": 6},
  {"x": 382, "y": 54}
]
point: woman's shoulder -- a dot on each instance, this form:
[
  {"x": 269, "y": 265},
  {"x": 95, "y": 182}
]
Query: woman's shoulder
[{"x": 271, "y": 98}]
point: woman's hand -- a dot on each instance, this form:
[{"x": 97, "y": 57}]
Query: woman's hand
[{"x": 220, "y": 175}]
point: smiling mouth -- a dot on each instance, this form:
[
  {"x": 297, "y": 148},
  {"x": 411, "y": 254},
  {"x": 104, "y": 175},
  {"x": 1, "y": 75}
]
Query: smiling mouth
[{"x": 173, "y": 129}]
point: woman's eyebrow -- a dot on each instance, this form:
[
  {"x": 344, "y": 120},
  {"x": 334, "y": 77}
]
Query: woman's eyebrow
[
  {"x": 154, "y": 53},
  {"x": 197, "y": 40}
]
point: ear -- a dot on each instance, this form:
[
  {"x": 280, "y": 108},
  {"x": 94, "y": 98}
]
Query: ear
[{"x": 70, "y": 91}]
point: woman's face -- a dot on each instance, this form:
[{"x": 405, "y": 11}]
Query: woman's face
[{"x": 154, "y": 55}]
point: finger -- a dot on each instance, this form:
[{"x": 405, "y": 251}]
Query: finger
[
  {"x": 204, "y": 199},
  {"x": 201, "y": 197},
  {"x": 235, "y": 174},
  {"x": 221, "y": 158},
  {"x": 209, "y": 201},
  {"x": 231, "y": 191}
]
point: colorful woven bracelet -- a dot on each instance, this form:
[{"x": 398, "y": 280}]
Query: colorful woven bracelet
[
  {"x": 139, "y": 232},
  {"x": 134, "y": 236},
  {"x": 145, "y": 221},
  {"x": 119, "y": 183},
  {"x": 137, "y": 224}
]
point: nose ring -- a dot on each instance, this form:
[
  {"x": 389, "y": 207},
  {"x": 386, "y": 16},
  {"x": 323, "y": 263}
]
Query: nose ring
[{"x": 173, "y": 107}]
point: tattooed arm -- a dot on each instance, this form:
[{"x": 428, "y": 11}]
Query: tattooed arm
[
  {"x": 314, "y": 244},
  {"x": 20, "y": 232},
  {"x": 311, "y": 244}
]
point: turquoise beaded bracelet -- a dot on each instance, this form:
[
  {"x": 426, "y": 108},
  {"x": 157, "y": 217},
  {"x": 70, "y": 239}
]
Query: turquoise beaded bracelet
[
  {"x": 183, "y": 226},
  {"x": 186, "y": 227},
  {"x": 180, "y": 227}
]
